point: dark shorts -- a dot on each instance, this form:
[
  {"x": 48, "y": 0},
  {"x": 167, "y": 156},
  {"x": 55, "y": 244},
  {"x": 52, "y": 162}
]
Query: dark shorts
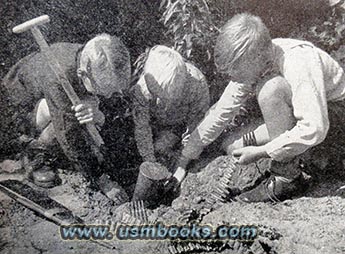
[
  {"x": 332, "y": 148},
  {"x": 177, "y": 130},
  {"x": 16, "y": 123},
  {"x": 334, "y": 144}
]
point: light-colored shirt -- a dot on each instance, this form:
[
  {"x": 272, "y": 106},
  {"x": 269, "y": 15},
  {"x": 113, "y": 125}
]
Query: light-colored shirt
[
  {"x": 189, "y": 112},
  {"x": 314, "y": 78}
]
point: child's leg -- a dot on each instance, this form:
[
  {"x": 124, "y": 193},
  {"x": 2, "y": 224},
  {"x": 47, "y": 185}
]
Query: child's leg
[
  {"x": 165, "y": 142},
  {"x": 42, "y": 115},
  {"x": 277, "y": 115},
  {"x": 43, "y": 123},
  {"x": 276, "y": 107},
  {"x": 42, "y": 150},
  {"x": 250, "y": 124},
  {"x": 332, "y": 149},
  {"x": 286, "y": 178},
  {"x": 234, "y": 140}
]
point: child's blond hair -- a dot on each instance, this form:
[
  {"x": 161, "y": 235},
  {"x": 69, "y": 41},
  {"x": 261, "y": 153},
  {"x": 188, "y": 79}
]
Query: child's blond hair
[
  {"x": 243, "y": 37},
  {"x": 169, "y": 70}
]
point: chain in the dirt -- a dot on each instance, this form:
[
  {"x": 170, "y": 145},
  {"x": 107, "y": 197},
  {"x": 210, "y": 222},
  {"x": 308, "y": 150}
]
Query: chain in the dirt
[{"x": 221, "y": 195}]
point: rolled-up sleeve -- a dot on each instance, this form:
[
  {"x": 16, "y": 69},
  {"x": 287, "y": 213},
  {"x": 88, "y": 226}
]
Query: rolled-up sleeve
[
  {"x": 304, "y": 71},
  {"x": 216, "y": 119}
]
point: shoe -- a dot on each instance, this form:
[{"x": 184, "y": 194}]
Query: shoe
[
  {"x": 42, "y": 170},
  {"x": 112, "y": 190},
  {"x": 276, "y": 189},
  {"x": 42, "y": 173}
]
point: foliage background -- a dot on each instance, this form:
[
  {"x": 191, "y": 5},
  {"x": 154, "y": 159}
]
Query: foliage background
[{"x": 189, "y": 25}]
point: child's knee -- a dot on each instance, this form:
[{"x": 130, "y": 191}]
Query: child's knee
[
  {"x": 43, "y": 116},
  {"x": 165, "y": 142},
  {"x": 273, "y": 93},
  {"x": 48, "y": 135}
]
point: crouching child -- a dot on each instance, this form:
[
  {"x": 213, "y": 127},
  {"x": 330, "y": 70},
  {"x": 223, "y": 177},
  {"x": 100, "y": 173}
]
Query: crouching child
[
  {"x": 39, "y": 118},
  {"x": 300, "y": 91},
  {"x": 170, "y": 99}
]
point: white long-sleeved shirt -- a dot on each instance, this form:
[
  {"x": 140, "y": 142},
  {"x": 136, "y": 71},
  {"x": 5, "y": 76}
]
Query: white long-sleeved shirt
[{"x": 314, "y": 78}]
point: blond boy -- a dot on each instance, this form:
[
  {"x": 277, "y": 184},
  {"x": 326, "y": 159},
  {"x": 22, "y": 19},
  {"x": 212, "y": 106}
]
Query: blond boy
[
  {"x": 170, "y": 99},
  {"x": 300, "y": 90}
]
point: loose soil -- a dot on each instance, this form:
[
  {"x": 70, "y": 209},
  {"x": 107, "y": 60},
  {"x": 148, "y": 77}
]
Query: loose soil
[{"x": 313, "y": 223}]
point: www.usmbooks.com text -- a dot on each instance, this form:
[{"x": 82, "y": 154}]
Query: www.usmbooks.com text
[{"x": 159, "y": 231}]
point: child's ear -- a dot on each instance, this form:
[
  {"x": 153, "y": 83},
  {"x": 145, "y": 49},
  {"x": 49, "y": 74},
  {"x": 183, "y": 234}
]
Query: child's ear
[
  {"x": 153, "y": 86},
  {"x": 80, "y": 73}
]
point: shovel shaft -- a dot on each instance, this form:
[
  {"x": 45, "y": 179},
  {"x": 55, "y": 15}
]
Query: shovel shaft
[{"x": 56, "y": 68}]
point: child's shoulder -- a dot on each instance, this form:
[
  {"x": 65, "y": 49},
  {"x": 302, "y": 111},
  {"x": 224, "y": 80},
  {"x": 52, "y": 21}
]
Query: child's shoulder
[
  {"x": 194, "y": 74},
  {"x": 140, "y": 93},
  {"x": 289, "y": 43},
  {"x": 194, "y": 71}
]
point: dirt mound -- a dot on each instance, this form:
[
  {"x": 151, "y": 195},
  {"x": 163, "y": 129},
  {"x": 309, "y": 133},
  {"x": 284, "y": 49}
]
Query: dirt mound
[{"x": 312, "y": 224}]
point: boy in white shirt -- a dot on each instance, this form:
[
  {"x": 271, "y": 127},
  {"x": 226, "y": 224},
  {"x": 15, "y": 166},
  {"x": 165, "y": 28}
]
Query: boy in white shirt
[{"x": 300, "y": 90}]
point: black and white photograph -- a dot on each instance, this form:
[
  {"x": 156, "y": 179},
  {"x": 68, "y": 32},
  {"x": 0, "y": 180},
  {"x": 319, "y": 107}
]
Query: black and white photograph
[{"x": 172, "y": 126}]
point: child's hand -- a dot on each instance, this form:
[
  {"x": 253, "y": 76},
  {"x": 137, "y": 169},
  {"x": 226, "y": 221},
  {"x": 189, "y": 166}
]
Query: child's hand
[
  {"x": 237, "y": 144},
  {"x": 87, "y": 112},
  {"x": 171, "y": 185},
  {"x": 249, "y": 154},
  {"x": 185, "y": 138},
  {"x": 174, "y": 182}
]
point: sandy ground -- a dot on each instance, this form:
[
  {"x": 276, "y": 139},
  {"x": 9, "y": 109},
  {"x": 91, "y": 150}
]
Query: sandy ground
[{"x": 313, "y": 223}]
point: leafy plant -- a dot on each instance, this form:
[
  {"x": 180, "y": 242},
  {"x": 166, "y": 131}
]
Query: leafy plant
[
  {"x": 190, "y": 24},
  {"x": 330, "y": 34}
]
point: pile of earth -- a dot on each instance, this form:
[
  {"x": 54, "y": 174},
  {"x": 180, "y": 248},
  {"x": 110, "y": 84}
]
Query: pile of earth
[{"x": 310, "y": 224}]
